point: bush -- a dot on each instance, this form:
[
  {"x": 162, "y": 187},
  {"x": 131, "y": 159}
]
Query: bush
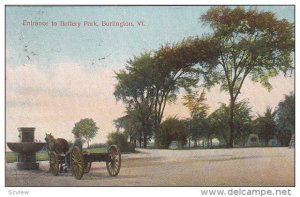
[{"x": 121, "y": 140}]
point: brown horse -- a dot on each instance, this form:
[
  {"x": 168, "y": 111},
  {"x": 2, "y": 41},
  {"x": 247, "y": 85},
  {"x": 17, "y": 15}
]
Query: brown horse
[{"x": 58, "y": 145}]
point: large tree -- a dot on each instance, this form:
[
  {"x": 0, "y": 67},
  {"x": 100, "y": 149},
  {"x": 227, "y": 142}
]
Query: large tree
[
  {"x": 250, "y": 44},
  {"x": 174, "y": 70},
  {"x": 152, "y": 79},
  {"x": 135, "y": 89}
]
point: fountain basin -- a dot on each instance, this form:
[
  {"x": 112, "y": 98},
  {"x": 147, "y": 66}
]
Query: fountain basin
[
  {"x": 25, "y": 147},
  {"x": 26, "y": 154}
]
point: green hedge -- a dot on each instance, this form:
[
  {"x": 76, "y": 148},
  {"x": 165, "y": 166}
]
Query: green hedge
[{"x": 121, "y": 140}]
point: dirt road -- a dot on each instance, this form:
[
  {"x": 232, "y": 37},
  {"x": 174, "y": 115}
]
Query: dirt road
[{"x": 215, "y": 167}]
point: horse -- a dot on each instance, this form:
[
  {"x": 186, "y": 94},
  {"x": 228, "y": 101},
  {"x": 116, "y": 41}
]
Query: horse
[{"x": 59, "y": 145}]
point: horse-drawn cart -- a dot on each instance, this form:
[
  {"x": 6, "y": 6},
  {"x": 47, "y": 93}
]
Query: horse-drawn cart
[{"x": 81, "y": 161}]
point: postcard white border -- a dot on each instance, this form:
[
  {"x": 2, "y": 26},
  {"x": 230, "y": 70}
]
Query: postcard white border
[{"x": 125, "y": 191}]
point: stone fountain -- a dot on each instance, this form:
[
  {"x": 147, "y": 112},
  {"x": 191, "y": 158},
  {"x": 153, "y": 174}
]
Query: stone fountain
[{"x": 26, "y": 149}]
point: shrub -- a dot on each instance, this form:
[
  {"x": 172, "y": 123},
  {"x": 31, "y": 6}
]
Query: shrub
[{"x": 121, "y": 140}]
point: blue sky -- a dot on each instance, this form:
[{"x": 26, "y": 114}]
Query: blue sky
[
  {"x": 54, "y": 45},
  {"x": 54, "y": 77},
  {"x": 82, "y": 45}
]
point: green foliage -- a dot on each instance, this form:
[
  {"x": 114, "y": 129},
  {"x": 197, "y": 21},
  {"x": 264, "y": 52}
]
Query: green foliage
[
  {"x": 285, "y": 118},
  {"x": 151, "y": 80},
  {"x": 134, "y": 82},
  {"x": 130, "y": 123},
  {"x": 196, "y": 103},
  {"x": 121, "y": 140},
  {"x": 197, "y": 125},
  {"x": 265, "y": 125},
  {"x": 172, "y": 129},
  {"x": 87, "y": 129},
  {"x": 244, "y": 43},
  {"x": 135, "y": 89},
  {"x": 248, "y": 43},
  {"x": 218, "y": 122}
]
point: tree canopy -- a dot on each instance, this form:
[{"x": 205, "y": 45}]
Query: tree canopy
[
  {"x": 249, "y": 43},
  {"x": 87, "y": 129},
  {"x": 135, "y": 89}
]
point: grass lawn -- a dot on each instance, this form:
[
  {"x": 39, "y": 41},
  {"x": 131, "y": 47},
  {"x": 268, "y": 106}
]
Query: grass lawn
[
  {"x": 12, "y": 157},
  {"x": 97, "y": 150}
]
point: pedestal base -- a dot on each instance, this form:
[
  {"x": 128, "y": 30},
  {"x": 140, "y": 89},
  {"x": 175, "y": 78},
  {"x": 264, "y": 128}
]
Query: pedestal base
[{"x": 27, "y": 166}]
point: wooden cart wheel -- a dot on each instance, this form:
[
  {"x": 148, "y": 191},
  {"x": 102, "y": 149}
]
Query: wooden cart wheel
[
  {"x": 54, "y": 165},
  {"x": 87, "y": 165},
  {"x": 114, "y": 164},
  {"x": 77, "y": 163}
]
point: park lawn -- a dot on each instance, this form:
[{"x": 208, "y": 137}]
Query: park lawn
[
  {"x": 12, "y": 157},
  {"x": 43, "y": 155},
  {"x": 97, "y": 150}
]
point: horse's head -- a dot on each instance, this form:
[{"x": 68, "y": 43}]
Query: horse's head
[
  {"x": 49, "y": 137},
  {"x": 49, "y": 140}
]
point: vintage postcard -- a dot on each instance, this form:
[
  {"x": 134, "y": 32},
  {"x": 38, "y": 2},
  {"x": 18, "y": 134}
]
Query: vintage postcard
[{"x": 116, "y": 95}]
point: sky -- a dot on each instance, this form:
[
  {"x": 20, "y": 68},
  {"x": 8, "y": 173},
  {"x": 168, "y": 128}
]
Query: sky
[{"x": 57, "y": 75}]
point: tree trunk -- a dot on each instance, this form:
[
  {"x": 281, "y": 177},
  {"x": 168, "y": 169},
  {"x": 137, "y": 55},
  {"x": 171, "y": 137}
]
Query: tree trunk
[
  {"x": 145, "y": 141},
  {"x": 244, "y": 140},
  {"x": 231, "y": 122},
  {"x": 140, "y": 141},
  {"x": 208, "y": 145},
  {"x": 145, "y": 135}
]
